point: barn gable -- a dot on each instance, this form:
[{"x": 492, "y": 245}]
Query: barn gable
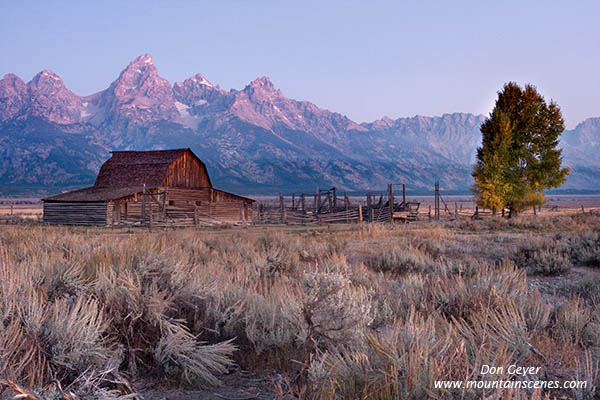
[{"x": 161, "y": 168}]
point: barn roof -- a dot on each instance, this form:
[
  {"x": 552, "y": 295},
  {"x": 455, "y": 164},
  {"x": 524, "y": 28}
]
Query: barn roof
[
  {"x": 126, "y": 173},
  {"x": 94, "y": 194},
  {"x": 136, "y": 168}
]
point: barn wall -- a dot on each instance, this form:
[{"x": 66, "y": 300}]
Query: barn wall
[
  {"x": 187, "y": 172},
  {"x": 75, "y": 213},
  {"x": 208, "y": 205},
  {"x": 183, "y": 207}
]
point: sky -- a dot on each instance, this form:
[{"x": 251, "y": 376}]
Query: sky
[{"x": 363, "y": 59}]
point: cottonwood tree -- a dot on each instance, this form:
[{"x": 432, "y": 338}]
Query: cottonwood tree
[{"x": 519, "y": 158}]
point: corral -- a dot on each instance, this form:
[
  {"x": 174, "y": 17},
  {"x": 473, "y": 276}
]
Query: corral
[
  {"x": 325, "y": 206},
  {"x": 165, "y": 187}
]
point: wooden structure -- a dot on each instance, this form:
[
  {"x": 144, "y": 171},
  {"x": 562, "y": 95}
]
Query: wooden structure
[
  {"x": 326, "y": 207},
  {"x": 164, "y": 187}
]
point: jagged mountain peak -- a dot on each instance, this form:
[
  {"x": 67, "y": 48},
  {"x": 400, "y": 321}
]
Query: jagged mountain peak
[
  {"x": 46, "y": 79},
  {"x": 48, "y": 98},
  {"x": 13, "y": 92},
  {"x": 139, "y": 94},
  {"x": 11, "y": 78},
  {"x": 194, "y": 83},
  {"x": 262, "y": 85},
  {"x": 137, "y": 71},
  {"x": 263, "y": 81},
  {"x": 197, "y": 79},
  {"x": 144, "y": 60},
  {"x": 197, "y": 91}
]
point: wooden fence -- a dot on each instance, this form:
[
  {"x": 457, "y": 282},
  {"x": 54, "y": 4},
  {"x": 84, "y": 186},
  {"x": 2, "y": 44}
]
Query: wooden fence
[{"x": 326, "y": 207}]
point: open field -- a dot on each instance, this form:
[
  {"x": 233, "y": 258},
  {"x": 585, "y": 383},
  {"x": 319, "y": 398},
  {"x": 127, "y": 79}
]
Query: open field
[
  {"x": 335, "y": 311},
  {"x": 32, "y": 206}
]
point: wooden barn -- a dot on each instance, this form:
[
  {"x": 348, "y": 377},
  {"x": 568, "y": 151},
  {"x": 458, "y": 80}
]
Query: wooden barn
[{"x": 164, "y": 187}]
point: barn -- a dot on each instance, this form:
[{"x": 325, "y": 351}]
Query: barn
[{"x": 163, "y": 187}]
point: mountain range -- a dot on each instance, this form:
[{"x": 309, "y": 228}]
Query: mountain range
[{"x": 253, "y": 140}]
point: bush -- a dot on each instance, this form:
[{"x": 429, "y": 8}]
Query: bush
[
  {"x": 79, "y": 311},
  {"x": 400, "y": 262},
  {"x": 573, "y": 323},
  {"x": 545, "y": 258},
  {"x": 585, "y": 249},
  {"x": 335, "y": 313},
  {"x": 588, "y": 289}
]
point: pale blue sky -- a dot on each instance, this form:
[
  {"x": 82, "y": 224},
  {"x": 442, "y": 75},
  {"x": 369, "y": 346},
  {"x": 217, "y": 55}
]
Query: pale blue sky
[{"x": 364, "y": 59}]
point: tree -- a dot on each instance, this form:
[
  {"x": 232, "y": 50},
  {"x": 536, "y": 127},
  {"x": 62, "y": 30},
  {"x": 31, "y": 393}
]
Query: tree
[{"x": 519, "y": 159}]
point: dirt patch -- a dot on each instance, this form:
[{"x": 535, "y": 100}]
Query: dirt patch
[{"x": 239, "y": 385}]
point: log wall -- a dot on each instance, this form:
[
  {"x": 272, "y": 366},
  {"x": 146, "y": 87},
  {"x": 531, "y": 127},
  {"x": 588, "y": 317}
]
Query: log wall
[{"x": 75, "y": 213}]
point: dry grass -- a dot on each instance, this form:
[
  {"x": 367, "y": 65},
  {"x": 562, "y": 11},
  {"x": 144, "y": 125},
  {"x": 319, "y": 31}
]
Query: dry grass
[{"x": 370, "y": 311}]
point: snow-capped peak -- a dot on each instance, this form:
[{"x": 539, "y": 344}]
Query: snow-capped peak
[
  {"x": 49, "y": 74},
  {"x": 201, "y": 80}
]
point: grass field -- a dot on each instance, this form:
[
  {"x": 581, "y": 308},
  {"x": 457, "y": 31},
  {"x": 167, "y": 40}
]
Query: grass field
[{"x": 347, "y": 311}]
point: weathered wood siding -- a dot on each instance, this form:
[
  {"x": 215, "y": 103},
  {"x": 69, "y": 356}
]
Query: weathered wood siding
[
  {"x": 208, "y": 205},
  {"x": 187, "y": 172},
  {"x": 75, "y": 213}
]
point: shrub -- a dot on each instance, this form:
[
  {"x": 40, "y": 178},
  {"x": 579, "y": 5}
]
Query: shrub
[
  {"x": 543, "y": 257},
  {"x": 573, "y": 323},
  {"x": 402, "y": 362},
  {"x": 588, "y": 289},
  {"x": 462, "y": 297},
  {"x": 335, "y": 313},
  {"x": 78, "y": 310},
  {"x": 585, "y": 249},
  {"x": 400, "y": 262}
]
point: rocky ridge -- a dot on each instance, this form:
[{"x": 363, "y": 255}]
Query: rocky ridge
[{"x": 254, "y": 140}]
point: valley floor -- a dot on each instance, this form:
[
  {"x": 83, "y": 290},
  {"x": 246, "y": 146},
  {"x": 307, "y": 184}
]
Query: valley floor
[{"x": 334, "y": 311}]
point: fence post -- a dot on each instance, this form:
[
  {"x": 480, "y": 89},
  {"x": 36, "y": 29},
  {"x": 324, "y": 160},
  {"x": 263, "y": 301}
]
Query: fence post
[
  {"x": 144, "y": 205},
  {"x": 455, "y": 210},
  {"x": 360, "y": 216},
  {"x": 242, "y": 212},
  {"x": 534, "y": 210},
  {"x": 347, "y": 206},
  {"x": 437, "y": 200},
  {"x": 318, "y": 202},
  {"x": 281, "y": 209},
  {"x": 429, "y": 213},
  {"x": 391, "y": 201},
  {"x": 294, "y": 201},
  {"x": 329, "y": 201},
  {"x": 11, "y": 209},
  {"x": 303, "y": 204},
  {"x": 404, "y": 193},
  {"x": 334, "y": 197},
  {"x": 369, "y": 206}
]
